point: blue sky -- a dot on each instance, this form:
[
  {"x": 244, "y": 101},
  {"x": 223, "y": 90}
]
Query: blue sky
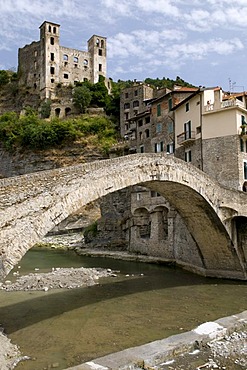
[{"x": 203, "y": 42}]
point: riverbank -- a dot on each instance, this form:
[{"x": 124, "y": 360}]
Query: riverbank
[{"x": 221, "y": 344}]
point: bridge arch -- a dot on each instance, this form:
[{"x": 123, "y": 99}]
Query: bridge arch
[{"x": 31, "y": 205}]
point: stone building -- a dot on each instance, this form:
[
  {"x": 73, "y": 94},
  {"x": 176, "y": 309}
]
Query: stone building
[
  {"x": 133, "y": 100},
  {"x": 44, "y": 65},
  {"x": 152, "y": 130}
]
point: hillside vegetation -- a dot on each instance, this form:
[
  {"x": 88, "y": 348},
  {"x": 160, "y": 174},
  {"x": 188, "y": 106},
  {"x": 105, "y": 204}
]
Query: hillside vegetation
[
  {"x": 31, "y": 132},
  {"x": 35, "y": 130}
]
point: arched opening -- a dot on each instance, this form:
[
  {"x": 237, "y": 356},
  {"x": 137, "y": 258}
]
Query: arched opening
[
  {"x": 142, "y": 223},
  {"x": 244, "y": 188},
  {"x": 57, "y": 112},
  {"x": 67, "y": 111}
]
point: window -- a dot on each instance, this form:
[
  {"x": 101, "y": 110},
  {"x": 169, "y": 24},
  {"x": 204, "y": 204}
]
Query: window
[
  {"x": 52, "y": 40},
  {"x": 198, "y": 130},
  {"x": 135, "y": 103},
  {"x": 54, "y": 30},
  {"x": 188, "y": 156},
  {"x": 136, "y": 92},
  {"x": 126, "y": 116},
  {"x": 97, "y": 42},
  {"x": 187, "y": 130},
  {"x": 159, "y": 147},
  {"x": 170, "y": 148},
  {"x": 52, "y": 80},
  {"x": 187, "y": 107},
  {"x": 158, "y": 128},
  {"x": 66, "y": 76},
  {"x": 76, "y": 59},
  {"x": 158, "y": 110},
  {"x": 154, "y": 194},
  {"x": 126, "y": 95},
  {"x": 85, "y": 62},
  {"x": 170, "y": 127},
  {"x": 35, "y": 65},
  {"x": 49, "y": 28},
  {"x": 127, "y": 106},
  {"x": 170, "y": 104},
  {"x": 35, "y": 53},
  {"x": 100, "y": 52},
  {"x": 140, "y": 135},
  {"x": 245, "y": 170},
  {"x": 102, "y": 43},
  {"x": 52, "y": 57},
  {"x": 142, "y": 149},
  {"x": 147, "y": 120},
  {"x": 52, "y": 70},
  {"x": 140, "y": 123},
  {"x": 65, "y": 57},
  {"x": 138, "y": 196},
  {"x": 147, "y": 133},
  {"x": 100, "y": 67},
  {"x": 241, "y": 145}
]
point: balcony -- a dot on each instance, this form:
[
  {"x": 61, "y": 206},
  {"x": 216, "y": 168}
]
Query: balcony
[
  {"x": 186, "y": 138},
  {"x": 224, "y": 104}
]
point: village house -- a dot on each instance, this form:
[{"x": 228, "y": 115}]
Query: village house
[{"x": 210, "y": 132}]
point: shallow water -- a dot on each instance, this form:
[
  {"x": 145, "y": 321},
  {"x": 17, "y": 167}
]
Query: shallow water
[{"x": 68, "y": 327}]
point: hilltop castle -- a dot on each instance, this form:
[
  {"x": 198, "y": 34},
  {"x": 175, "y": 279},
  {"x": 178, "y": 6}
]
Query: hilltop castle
[{"x": 44, "y": 64}]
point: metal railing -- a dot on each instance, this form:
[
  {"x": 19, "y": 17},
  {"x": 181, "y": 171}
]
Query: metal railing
[{"x": 185, "y": 137}]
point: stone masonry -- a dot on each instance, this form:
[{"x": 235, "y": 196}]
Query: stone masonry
[{"x": 31, "y": 205}]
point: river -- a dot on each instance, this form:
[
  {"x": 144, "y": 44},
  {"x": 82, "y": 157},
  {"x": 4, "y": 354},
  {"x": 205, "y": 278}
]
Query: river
[{"x": 145, "y": 302}]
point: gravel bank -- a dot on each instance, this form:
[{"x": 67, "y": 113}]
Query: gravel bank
[{"x": 59, "y": 278}]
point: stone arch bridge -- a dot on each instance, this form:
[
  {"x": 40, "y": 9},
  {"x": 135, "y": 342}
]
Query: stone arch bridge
[{"x": 31, "y": 205}]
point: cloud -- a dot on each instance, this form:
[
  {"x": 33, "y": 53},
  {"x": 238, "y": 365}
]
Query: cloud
[{"x": 200, "y": 50}]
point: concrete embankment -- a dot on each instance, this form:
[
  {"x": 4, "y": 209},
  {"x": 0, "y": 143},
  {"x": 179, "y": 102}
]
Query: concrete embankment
[{"x": 152, "y": 354}]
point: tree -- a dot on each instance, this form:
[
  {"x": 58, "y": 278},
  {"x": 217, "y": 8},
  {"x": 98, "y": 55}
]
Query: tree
[
  {"x": 4, "y": 77},
  {"x": 81, "y": 97},
  {"x": 45, "y": 109}
]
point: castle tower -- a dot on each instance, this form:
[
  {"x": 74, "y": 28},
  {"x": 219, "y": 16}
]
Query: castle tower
[
  {"x": 50, "y": 57},
  {"x": 97, "y": 51}
]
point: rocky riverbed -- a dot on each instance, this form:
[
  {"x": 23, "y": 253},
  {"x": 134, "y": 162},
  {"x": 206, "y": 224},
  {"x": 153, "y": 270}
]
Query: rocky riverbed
[{"x": 58, "y": 278}]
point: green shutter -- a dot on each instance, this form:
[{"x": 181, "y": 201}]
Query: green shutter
[{"x": 158, "y": 110}]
